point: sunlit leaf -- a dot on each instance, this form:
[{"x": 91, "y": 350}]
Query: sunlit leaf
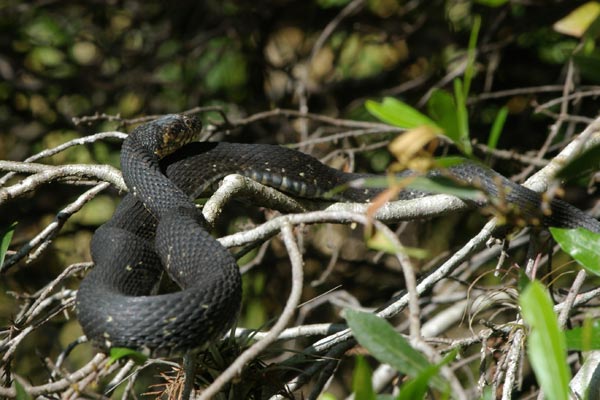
[
  {"x": 398, "y": 113},
  {"x": 388, "y": 346},
  {"x": 46, "y": 31},
  {"x": 327, "y": 396},
  {"x": 5, "y": 238},
  {"x": 116, "y": 353},
  {"x": 408, "y": 147},
  {"x": 442, "y": 108},
  {"x": 546, "y": 343},
  {"x": 584, "y": 338},
  {"x": 578, "y": 20},
  {"x": 580, "y": 244}
]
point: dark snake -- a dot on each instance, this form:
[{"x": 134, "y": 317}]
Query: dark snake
[{"x": 157, "y": 227}]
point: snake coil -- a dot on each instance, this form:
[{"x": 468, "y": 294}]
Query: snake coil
[{"x": 157, "y": 228}]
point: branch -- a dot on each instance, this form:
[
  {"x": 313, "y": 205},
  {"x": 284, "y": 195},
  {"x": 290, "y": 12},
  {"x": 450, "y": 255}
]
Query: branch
[
  {"x": 286, "y": 315},
  {"x": 48, "y": 173}
]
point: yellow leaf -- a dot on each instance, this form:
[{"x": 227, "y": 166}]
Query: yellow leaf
[
  {"x": 408, "y": 148},
  {"x": 578, "y": 20}
]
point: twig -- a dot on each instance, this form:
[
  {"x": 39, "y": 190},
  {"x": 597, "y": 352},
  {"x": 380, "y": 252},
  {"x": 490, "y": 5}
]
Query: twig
[
  {"x": 563, "y": 316},
  {"x": 91, "y": 367},
  {"x": 44, "y": 174},
  {"x": 315, "y": 117},
  {"x": 64, "y": 146},
  {"x": 50, "y": 231},
  {"x": 287, "y": 313},
  {"x": 513, "y": 360}
]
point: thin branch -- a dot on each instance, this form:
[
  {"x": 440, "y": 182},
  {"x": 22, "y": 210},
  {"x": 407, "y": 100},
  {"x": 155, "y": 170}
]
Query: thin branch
[
  {"x": 75, "y": 142},
  {"x": 52, "y": 229},
  {"x": 286, "y": 315},
  {"x": 44, "y": 174}
]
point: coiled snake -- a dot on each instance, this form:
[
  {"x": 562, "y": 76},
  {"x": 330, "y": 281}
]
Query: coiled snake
[{"x": 158, "y": 227}]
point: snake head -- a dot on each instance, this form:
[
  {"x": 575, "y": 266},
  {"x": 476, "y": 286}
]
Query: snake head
[{"x": 174, "y": 131}]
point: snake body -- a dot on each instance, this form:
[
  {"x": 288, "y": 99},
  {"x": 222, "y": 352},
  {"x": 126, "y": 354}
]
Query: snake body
[{"x": 157, "y": 228}]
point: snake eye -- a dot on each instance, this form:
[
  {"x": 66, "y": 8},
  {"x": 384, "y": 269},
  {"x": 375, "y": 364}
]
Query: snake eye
[{"x": 188, "y": 121}]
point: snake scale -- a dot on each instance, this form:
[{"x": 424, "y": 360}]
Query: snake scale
[{"x": 157, "y": 227}]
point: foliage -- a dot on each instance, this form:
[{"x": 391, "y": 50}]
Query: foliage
[
  {"x": 580, "y": 244},
  {"x": 389, "y": 347},
  {"x": 546, "y": 344}
]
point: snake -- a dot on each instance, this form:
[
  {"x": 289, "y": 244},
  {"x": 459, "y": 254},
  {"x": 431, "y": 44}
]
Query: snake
[{"x": 157, "y": 228}]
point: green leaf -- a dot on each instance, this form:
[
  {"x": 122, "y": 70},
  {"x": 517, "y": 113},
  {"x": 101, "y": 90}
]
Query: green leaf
[
  {"x": 6, "y": 235},
  {"x": 398, "y": 113},
  {"x": 584, "y": 164},
  {"x": 442, "y": 109},
  {"x": 388, "y": 346},
  {"x": 584, "y": 338},
  {"x": 588, "y": 65},
  {"x": 327, "y": 396},
  {"x": 492, "y": 3},
  {"x": 464, "y": 142},
  {"x": 471, "y": 54},
  {"x": 21, "y": 392},
  {"x": 487, "y": 394},
  {"x": 116, "y": 353},
  {"x": 579, "y": 20},
  {"x": 361, "y": 380},
  {"x": 416, "y": 388},
  {"x": 332, "y": 3},
  {"x": 46, "y": 30},
  {"x": 497, "y": 127},
  {"x": 580, "y": 244},
  {"x": 546, "y": 344}
]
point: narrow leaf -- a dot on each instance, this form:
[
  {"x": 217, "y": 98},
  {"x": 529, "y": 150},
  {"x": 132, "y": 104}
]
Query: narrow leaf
[
  {"x": 361, "y": 380},
  {"x": 580, "y": 244},
  {"x": 471, "y": 54},
  {"x": 116, "y": 353},
  {"x": 416, "y": 388},
  {"x": 546, "y": 344},
  {"x": 398, "y": 113},
  {"x": 464, "y": 142},
  {"x": 443, "y": 185},
  {"x": 5, "y": 238},
  {"x": 497, "y": 127},
  {"x": 387, "y": 345}
]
